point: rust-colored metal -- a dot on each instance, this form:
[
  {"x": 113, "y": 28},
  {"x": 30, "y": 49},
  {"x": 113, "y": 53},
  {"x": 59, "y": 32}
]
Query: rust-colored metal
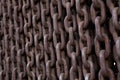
[{"x": 59, "y": 40}]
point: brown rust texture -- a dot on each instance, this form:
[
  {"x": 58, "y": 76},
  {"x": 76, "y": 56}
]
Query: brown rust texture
[{"x": 59, "y": 40}]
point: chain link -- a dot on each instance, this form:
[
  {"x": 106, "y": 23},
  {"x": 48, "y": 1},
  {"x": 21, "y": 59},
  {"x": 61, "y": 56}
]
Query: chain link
[{"x": 59, "y": 40}]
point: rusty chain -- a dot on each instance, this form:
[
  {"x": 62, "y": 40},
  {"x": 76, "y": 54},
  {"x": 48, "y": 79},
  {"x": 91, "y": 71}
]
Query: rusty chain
[{"x": 59, "y": 40}]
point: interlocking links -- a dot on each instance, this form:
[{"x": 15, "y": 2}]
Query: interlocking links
[
  {"x": 114, "y": 29},
  {"x": 98, "y": 18},
  {"x": 59, "y": 40},
  {"x": 29, "y": 49},
  {"x": 48, "y": 43},
  {"x": 85, "y": 39}
]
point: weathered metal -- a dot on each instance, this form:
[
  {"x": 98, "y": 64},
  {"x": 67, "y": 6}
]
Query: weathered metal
[{"x": 59, "y": 40}]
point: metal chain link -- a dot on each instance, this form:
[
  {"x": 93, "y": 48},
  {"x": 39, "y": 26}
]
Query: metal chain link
[{"x": 59, "y": 40}]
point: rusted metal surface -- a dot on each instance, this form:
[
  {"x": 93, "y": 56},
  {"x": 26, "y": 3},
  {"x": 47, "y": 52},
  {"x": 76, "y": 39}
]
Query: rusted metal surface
[{"x": 59, "y": 40}]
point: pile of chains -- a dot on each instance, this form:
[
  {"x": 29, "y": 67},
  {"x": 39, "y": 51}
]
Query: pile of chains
[{"x": 59, "y": 39}]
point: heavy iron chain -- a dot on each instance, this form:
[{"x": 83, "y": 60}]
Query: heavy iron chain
[{"x": 59, "y": 40}]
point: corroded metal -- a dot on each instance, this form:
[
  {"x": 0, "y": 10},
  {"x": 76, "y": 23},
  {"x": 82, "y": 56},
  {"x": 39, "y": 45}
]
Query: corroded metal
[{"x": 59, "y": 40}]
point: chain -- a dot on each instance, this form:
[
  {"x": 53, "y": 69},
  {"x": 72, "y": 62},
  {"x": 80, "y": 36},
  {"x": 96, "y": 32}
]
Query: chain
[
  {"x": 114, "y": 26},
  {"x": 59, "y": 40}
]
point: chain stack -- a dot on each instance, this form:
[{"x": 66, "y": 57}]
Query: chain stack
[{"x": 59, "y": 40}]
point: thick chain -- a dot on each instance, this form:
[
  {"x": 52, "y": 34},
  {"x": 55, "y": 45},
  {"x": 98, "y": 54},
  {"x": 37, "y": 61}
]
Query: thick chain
[{"x": 59, "y": 40}]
